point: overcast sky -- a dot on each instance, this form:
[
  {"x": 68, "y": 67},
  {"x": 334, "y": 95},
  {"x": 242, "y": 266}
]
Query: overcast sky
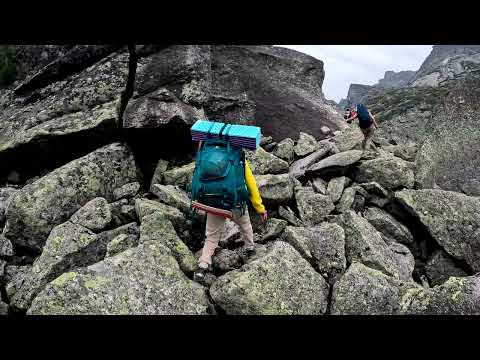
[{"x": 361, "y": 64}]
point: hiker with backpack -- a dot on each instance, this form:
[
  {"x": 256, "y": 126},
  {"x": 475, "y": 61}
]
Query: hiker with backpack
[
  {"x": 222, "y": 184},
  {"x": 367, "y": 124}
]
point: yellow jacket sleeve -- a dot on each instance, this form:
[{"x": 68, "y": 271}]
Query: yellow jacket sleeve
[{"x": 255, "y": 197}]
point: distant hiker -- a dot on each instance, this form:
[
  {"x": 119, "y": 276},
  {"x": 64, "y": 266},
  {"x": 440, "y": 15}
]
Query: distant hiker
[
  {"x": 223, "y": 183},
  {"x": 349, "y": 113},
  {"x": 367, "y": 124}
]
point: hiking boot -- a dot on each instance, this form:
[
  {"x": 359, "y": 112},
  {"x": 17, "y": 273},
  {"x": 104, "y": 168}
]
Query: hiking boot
[{"x": 199, "y": 274}]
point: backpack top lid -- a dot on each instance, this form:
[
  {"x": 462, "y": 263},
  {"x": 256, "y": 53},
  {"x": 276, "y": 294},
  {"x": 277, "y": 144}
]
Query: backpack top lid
[{"x": 244, "y": 136}]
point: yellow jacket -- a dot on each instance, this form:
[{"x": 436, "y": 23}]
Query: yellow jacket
[{"x": 254, "y": 197}]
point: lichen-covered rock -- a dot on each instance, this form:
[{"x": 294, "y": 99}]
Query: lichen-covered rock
[
  {"x": 335, "y": 165},
  {"x": 226, "y": 260},
  {"x": 5, "y": 195},
  {"x": 68, "y": 246},
  {"x": 157, "y": 227},
  {"x": 94, "y": 215},
  {"x": 126, "y": 191},
  {"x": 440, "y": 267},
  {"x": 121, "y": 243},
  {"x": 162, "y": 166},
  {"x": 405, "y": 152},
  {"x": 391, "y": 173},
  {"x": 14, "y": 278},
  {"x": 262, "y": 162},
  {"x": 306, "y": 144},
  {"x": 323, "y": 246},
  {"x": 348, "y": 139},
  {"x": 366, "y": 291},
  {"x": 388, "y": 225},
  {"x": 452, "y": 219},
  {"x": 298, "y": 168},
  {"x": 275, "y": 189},
  {"x": 123, "y": 212},
  {"x": 363, "y": 243},
  {"x": 289, "y": 215},
  {"x": 51, "y": 200},
  {"x": 230, "y": 235},
  {"x": 272, "y": 229},
  {"x": 335, "y": 188},
  {"x": 172, "y": 195},
  {"x": 145, "y": 207},
  {"x": 404, "y": 259},
  {"x": 284, "y": 150},
  {"x": 280, "y": 282},
  {"x": 131, "y": 230},
  {"x": 312, "y": 207},
  {"x": 181, "y": 176},
  {"x": 347, "y": 200},
  {"x": 141, "y": 280}
]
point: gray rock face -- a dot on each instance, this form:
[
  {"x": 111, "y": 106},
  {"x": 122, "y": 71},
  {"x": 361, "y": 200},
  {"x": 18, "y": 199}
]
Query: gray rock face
[
  {"x": 356, "y": 93},
  {"x": 363, "y": 290},
  {"x": 94, "y": 215},
  {"x": 142, "y": 280},
  {"x": 312, "y": 207},
  {"x": 440, "y": 267},
  {"x": 297, "y": 169},
  {"x": 231, "y": 235},
  {"x": 323, "y": 246},
  {"x": 388, "y": 225},
  {"x": 363, "y": 243},
  {"x": 335, "y": 188},
  {"x": 349, "y": 139},
  {"x": 172, "y": 195},
  {"x": 320, "y": 186},
  {"x": 392, "y": 79},
  {"x": 262, "y": 162},
  {"x": 272, "y": 229},
  {"x": 14, "y": 278},
  {"x": 289, "y": 215},
  {"x": 347, "y": 200},
  {"x": 159, "y": 108},
  {"x": 405, "y": 152},
  {"x": 306, "y": 144},
  {"x": 449, "y": 157},
  {"x": 5, "y": 195},
  {"x": 3, "y": 308},
  {"x": 441, "y": 212},
  {"x": 335, "y": 165},
  {"x": 121, "y": 243},
  {"x": 280, "y": 282},
  {"x": 49, "y": 201},
  {"x": 226, "y": 260},
  {"x": 181, "y": 176},
  {"x": 123, "y": 212},
  {"x": 275, "y": 189},
  {"x": 6, "y": 248},
  {"x": 288, "y": 97},
  {"x": 391, "y": 173},
  {"x": 144, "y": 207},
  {"x": 284, "y": 150}
]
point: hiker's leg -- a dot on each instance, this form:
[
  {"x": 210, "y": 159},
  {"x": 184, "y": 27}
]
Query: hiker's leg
[
  {"x": 369, "y": 136},
  {"x": 364, "y": 141},
  {"x": 245, "y": 227},
  {"x": 213, "y": 232}
]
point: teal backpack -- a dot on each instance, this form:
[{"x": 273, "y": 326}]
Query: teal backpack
[{"x": 219, "y": 175}]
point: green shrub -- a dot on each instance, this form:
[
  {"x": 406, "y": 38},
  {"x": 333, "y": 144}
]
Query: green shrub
[{"x": 8, "y": 68}]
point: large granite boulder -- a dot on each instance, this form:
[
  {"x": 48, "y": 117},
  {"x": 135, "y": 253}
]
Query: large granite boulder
[
  {"x": 49, "y": 201},
  {"x": 145, "y": 207},
  {"x": 298, "y": 168},
  {"x": 94, "y": 215},
  {"x": 262, "y": 162},
  {"x": 363, "y": 290},
  {"x": 284, "y": 150},
  {"x": 286, "y": 88},
  {"x": 335, "y": 188},
  {"x": 312, "y": 206},
  {"x": 388, "y": 225},
  {"x": 323, "y": 246},
  {"x": 306, "y": 144},
  {"x": 451, "y": 219},
  {"x": 141, "y": 280},
  {"x": 280, "y": 282},
  {"x": 391, "y": 173},
  {"x": 275, "y": 189},
  {"x": 172, "y": 195},
  {"x": 363, "y": 243},
  {"x": 181, "y": 176},
  {"x": 335, "y": 165}
]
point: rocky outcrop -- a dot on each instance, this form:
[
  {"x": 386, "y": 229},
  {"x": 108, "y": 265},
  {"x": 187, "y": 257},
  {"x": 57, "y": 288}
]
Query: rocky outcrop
[
  {"x": 38, "y": 207},
  {"x": 440, "y": 213},
  {"x": 335, "y": 165},
  {"x": 393, "y": 80},
  {"x": 143, "y": 280},
  {"x": 312, "y": 207},
  {"x": 262, "y": 163},
  {"x": 356, "y": 92},
  {"x": 281, "y": 282},
  {"x": 275, "y": 189},
  {"x": 388, "y": 225},
  {"x": 391, "y": 173}
]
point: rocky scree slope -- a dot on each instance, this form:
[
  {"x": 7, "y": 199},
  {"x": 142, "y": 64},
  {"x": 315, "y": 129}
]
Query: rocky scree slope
[{"x": 107, "y": 231}]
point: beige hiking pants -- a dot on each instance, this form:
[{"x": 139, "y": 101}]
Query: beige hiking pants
[
  {"x": 215, "y": 230},
  {"x": 368, "y": 134}
]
